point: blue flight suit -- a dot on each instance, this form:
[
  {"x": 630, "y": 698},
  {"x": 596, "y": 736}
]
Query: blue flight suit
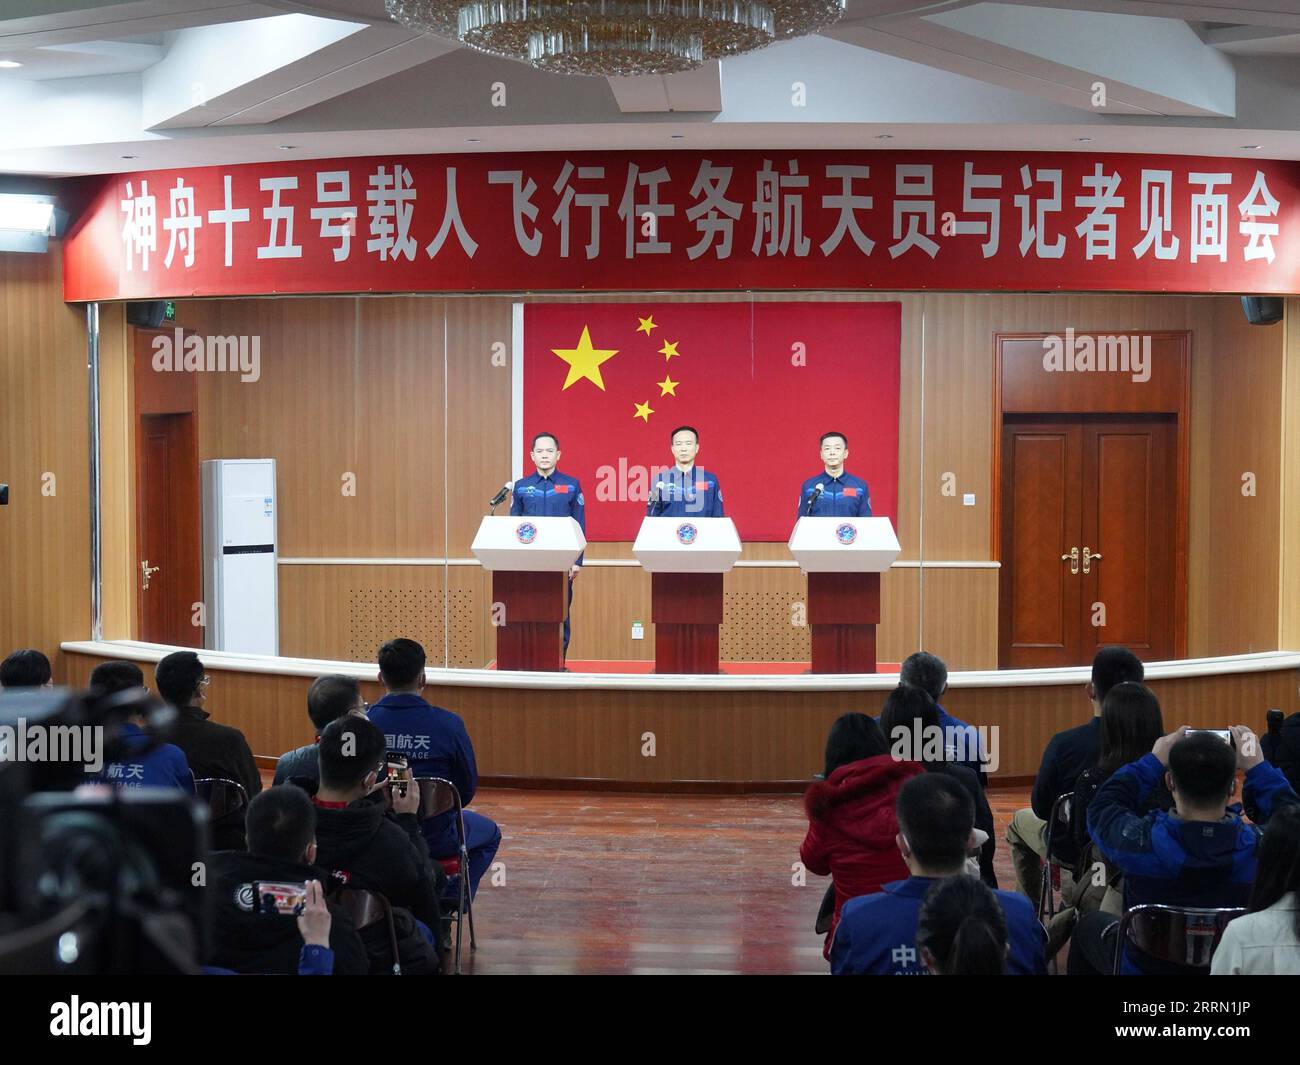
[
  {"x": 165, "y": 766},
  {"x": 556, "y": 496},
  {"x": 844, "y": 496},
  {"x": 693, "y": 494},
  {"x": 876, "y": 935},
  {"x": 436, "y": 744}
]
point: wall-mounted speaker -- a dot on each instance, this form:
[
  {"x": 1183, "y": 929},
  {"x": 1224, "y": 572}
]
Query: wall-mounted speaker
[
  {"x": 1262, "y": 310},
  {"x": 148, "y": 314}
]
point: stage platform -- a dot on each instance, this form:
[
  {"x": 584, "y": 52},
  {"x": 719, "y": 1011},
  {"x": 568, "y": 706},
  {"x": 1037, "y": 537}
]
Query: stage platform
[
  {"x": 730, "y": 733},
  {"x": 642, "y": 667}
]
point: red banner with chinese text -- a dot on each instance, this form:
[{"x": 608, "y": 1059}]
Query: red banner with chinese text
[
  {"x": 690, "y": 220},
  {"x": 760, "y": 381}
]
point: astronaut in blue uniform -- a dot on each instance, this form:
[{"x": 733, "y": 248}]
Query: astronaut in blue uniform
[
  {"x": 686, "y": 490},
  {"x": 842, "y": 494},
  {"x": 548, "y": 493}
]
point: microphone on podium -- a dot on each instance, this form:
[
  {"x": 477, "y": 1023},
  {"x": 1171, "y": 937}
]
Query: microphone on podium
[
  {"x": 497, "y": 499},
  {"x": 656, "y": 495},
  {"x": 812, "y": 499}
]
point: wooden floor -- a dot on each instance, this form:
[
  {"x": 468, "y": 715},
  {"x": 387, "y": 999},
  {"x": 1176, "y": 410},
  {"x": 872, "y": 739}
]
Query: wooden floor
[{"x": 607, "y": 883}]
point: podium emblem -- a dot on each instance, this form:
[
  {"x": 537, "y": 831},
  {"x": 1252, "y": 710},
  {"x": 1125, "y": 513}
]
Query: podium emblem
[
  {"x": 526, "y": 532},
  {"x": 846, "y": 533},
  {"x": 686, "y": 533}
]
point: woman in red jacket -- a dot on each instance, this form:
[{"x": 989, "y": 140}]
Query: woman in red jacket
[{"x": 851, "y": 822}]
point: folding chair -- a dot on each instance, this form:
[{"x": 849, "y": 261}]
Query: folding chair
[
  {"x": 1056, "y": 830},
  {"x": 368, "y": 908},
  {"x": 1179, "y": 935},
  {"x": 439, "y": 796},
  {"x": 223, "y": 797}
]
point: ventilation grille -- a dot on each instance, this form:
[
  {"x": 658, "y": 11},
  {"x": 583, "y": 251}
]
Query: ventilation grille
[
  {"x": 761, "y": 627},
  {"x": 376, "y": 615}
]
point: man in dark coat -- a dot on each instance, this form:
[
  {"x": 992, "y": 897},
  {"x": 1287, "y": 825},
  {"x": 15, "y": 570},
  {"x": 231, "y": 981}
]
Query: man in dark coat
[
  {"x": 365, "y": 846},
  {"x": 212, "y": 750},
  {"x": 254, "y": 930}
]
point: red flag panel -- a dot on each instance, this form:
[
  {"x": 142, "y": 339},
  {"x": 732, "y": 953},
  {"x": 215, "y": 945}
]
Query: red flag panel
[{"x": 760, "y": 381}]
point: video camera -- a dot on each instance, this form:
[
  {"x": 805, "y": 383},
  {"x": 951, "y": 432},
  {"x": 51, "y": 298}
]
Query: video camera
[{"x": 93, "y": 878}]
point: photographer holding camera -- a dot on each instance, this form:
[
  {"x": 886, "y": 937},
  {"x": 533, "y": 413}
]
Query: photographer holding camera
[
  {"x": 259, "y": 896},
  {"x": 363, "y": 845}
]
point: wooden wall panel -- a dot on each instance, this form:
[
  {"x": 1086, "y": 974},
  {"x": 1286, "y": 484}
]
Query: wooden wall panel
[
  {"x": 960, "y": 616},
  {"x": 117, "y": 433},
  {"x": 44, "y": 449},
  {"x": 1243, "y": 546},
  {"x": 1289, "y": 572}
]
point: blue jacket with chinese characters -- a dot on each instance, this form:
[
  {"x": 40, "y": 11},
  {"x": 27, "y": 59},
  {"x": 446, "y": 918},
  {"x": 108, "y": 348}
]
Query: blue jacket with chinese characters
[
  {"x": 844, "y": 496},
  {"x": 163, "y": 767},
  {"x": 436, "y": 744},
  {"x": 876, "y": 935},
  {"x": 1179, "y": 863},
  {"x": 556, "y": 496},
  {"x": 693, "y": 494}
]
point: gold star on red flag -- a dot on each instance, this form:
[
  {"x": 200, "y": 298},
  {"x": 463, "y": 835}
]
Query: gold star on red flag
[
  {"x": 670, "y": 349},
  {"x": 585, "y": 360},
  {"x": 646, "y": 325},
  {"x": 668, "y": 387},
  {"x": 643, "y": 411}
]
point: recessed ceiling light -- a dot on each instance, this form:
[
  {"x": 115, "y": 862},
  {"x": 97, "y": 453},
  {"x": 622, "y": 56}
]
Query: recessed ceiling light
[
  {"x": 1082, "y": 140},
  {"x": 471, "y": 140},
  {"x": 884, "y": 136},
  {"x": 677, "y": 136},
  {"x": 128, "y": 157},
  {"x": 286, "y": 147},
  {"x": 9, "y": 64},
  {"x": 1250, "y": 147}
]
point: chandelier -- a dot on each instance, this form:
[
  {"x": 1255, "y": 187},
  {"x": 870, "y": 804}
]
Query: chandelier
[{"x": 616, "y": 38}]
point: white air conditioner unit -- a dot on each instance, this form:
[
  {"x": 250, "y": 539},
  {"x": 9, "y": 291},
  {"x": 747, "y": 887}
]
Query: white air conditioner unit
[{"x": 240, "y": 579}]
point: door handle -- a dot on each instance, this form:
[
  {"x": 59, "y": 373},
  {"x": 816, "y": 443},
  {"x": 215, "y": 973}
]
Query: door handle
[
  {"x": 1073, "y": 559},
  {"x": 1088, "y": 556},
  {"x": 146, "y": 572}
]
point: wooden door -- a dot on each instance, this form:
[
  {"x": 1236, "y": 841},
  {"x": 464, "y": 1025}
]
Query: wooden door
[
  {"x": 1130, "y": 491},
  {"x": 168, "y": 530},
  {"x": 1088, "y": 538},
  {"x": 1040, "y": 600}
]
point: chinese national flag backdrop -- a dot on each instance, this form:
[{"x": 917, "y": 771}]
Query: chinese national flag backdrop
[{"x": 761, "y": 382}]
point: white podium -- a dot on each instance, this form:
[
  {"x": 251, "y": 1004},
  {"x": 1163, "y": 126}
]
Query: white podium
[
  {"x": 843, "y": 558},
  {"x": 529, "y": 559},
  {"x": 686, "y": 558}
]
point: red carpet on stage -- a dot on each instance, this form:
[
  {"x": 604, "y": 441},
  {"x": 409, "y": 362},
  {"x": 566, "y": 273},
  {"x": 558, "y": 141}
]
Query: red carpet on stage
[{"x": 783, "y": 669}]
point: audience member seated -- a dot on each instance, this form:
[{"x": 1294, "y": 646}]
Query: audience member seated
[
  {"x": 1202, "y": 854},
  {"x": 437, "y": 745},
  {"x": 1067, "y": 755},
  {"x": 1266, "y": 941},
  {"x": 250, "y": 933},
  {"x": 851, "y": 820},
  {"x": 929, "y": 673},
  {"x": 329, "y": 698},
  {"x": 25, "y": 669},
  {"x": 149, "y": 764},
  {"x": 1130, "y": 724},
  {"x": 910, "y": 722},
  {"x": 1281, "y": 745},
  {"x": 961, "y": 930},
  {"x": 365, "y": 846},
  {"x": 212, "y": 750},
  {"x": 877, "y": 934}
]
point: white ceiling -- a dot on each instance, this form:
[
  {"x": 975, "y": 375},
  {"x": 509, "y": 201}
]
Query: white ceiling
[{"x": 114, "y": 85}]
